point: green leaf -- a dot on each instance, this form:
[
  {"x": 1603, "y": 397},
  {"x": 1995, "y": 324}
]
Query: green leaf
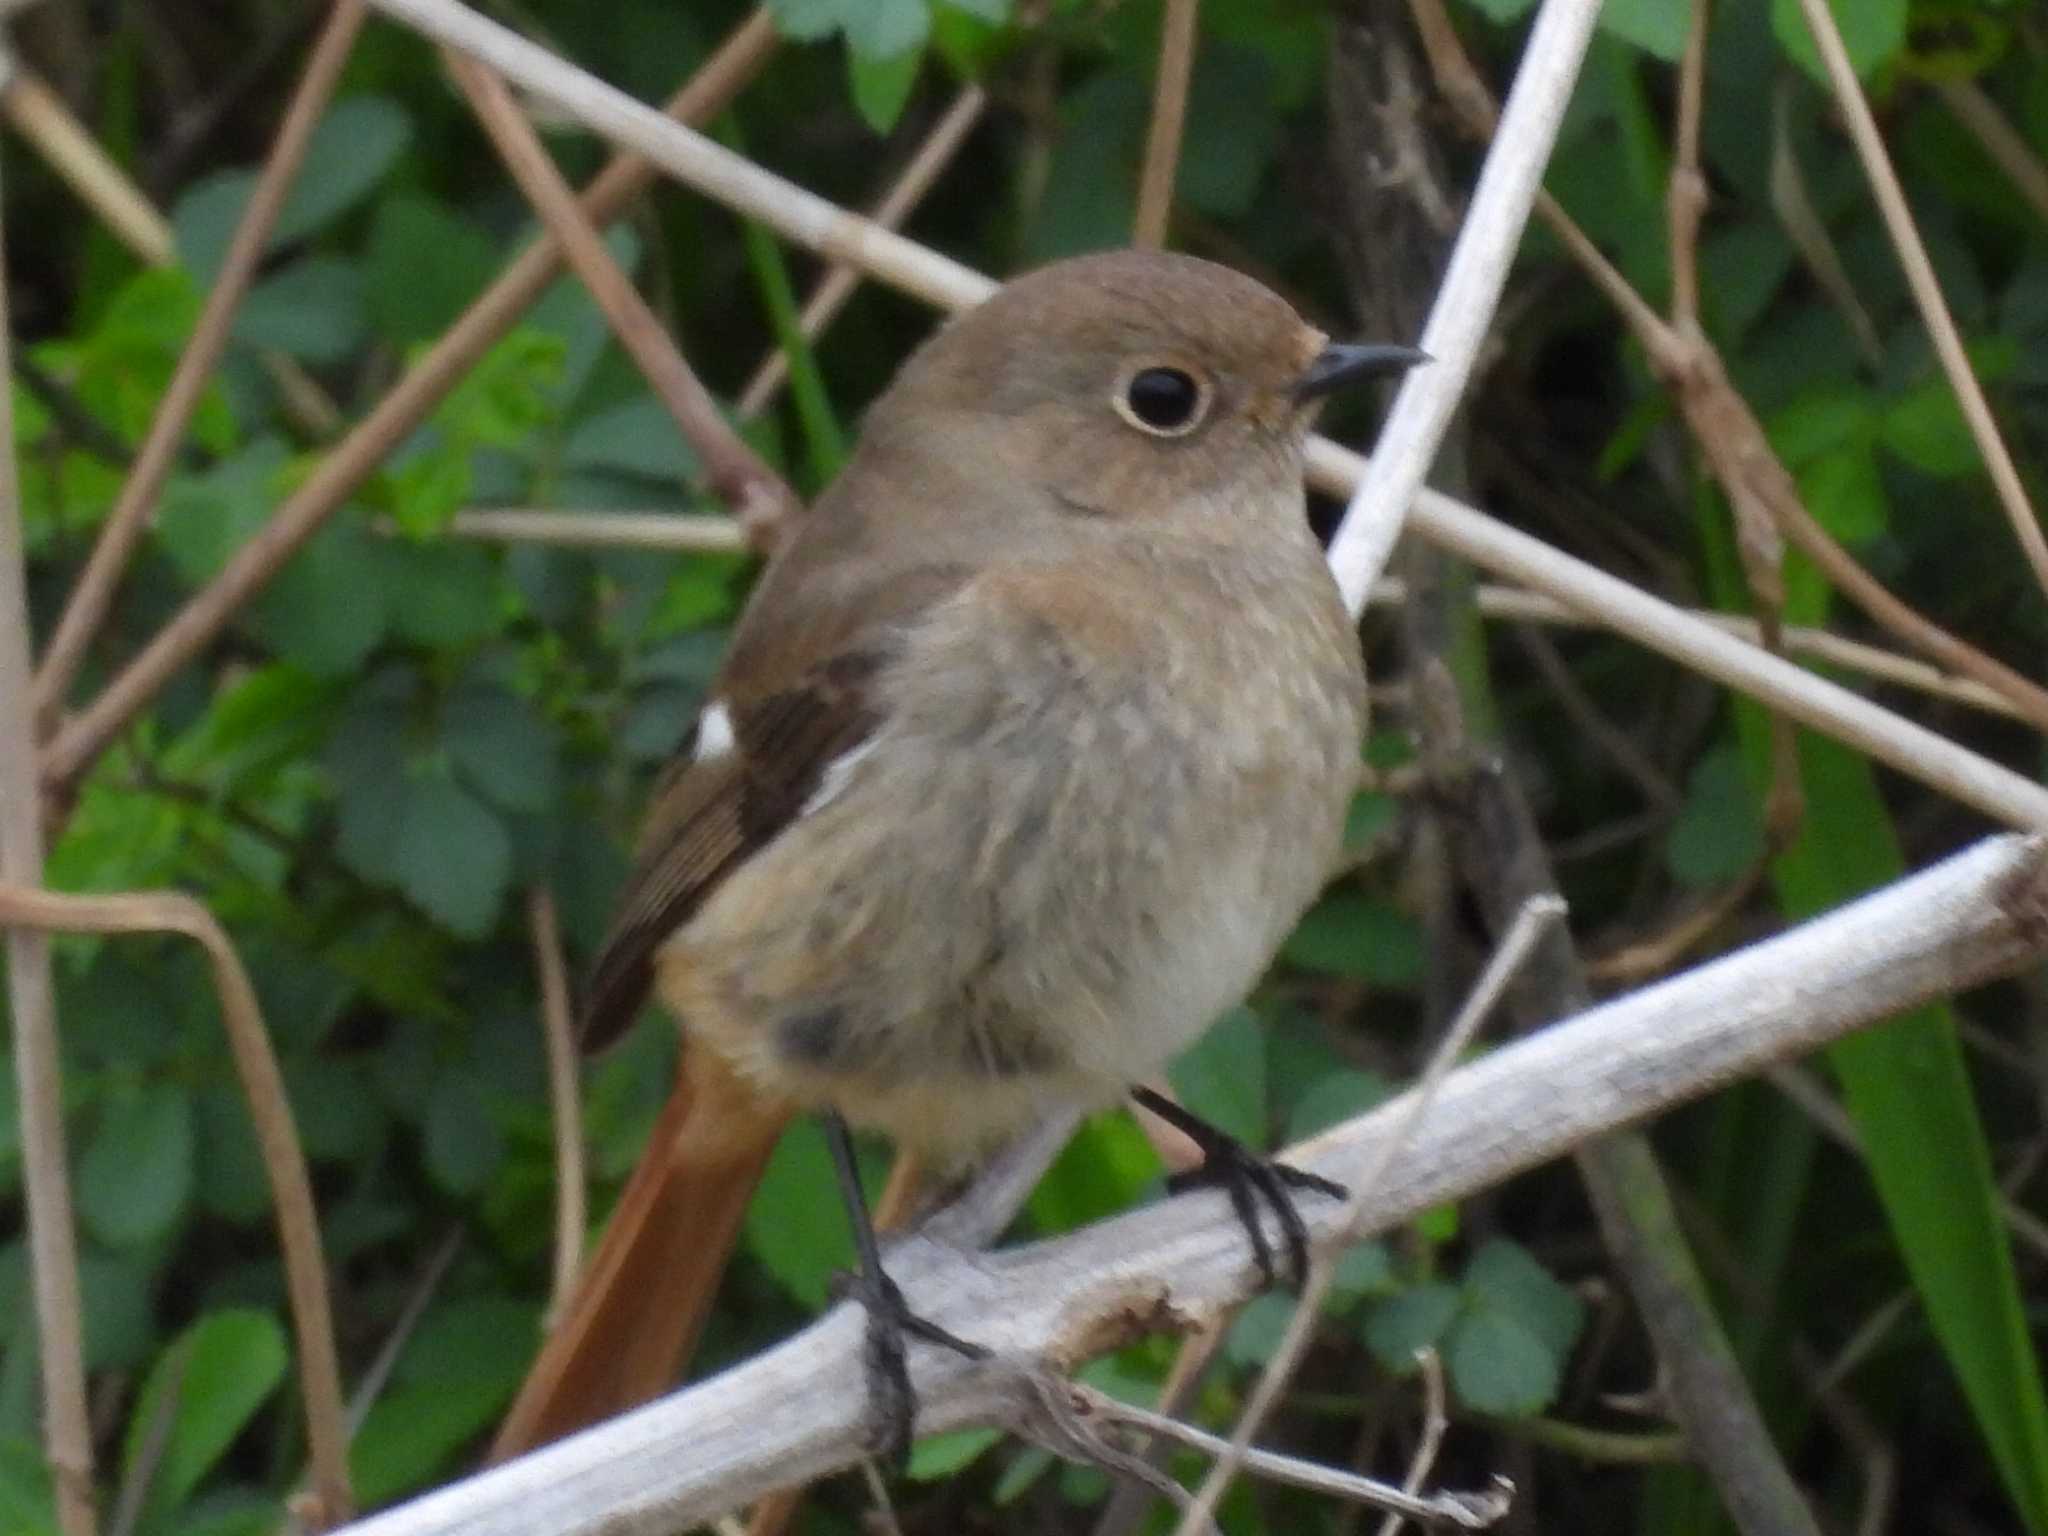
[
  {"x": 206, "y": 517},
  {"x": 136, "y": 1175},
  {"x": 326, "y": 610},
  {"x": 27, "y": 1502},
  {"x": 1845, "y": 494},
  {"x": 639, "y": 437},
  {"x": 807, "y": 21},
  {"x": 1655, "y": 26},
  {"x": 425, "y": 263},
  {"x": 1415, "y": 1319},
  {"x": 464, "y": 1145},
  {"x": 1717, "y": 834},
  {"x": 1873, "y": 31},
  {"x": 881, "y": 87},
  {"x": 312, "y": 309},
  {"x": 411, "y": 1437},
  {"x": 1335, "y": 1097},
  {"x": 1258, "y": 1329},
  {"x": 1504, "y": 1277},
  {"x": 1906, "y": 1087},
  {"x": 1349, "y": 933},
  {"x": 355, "y": 144},
  {"x": 940, "y": 1456},
  {"x": 994, "y": 12},
  {"x": 1233, "y": 130},
  {"x": 795, "y": 1225},
  {"x": 886, "y": 29},
  {"x": 1925, "y": 427},
  {"x": 203, "y": 221},
  {"x": 1504, "y": 11},
  {"x": 1222, "y": 1077},
  {"x": 1497, "y": 1365},
  {"x": 217, "y": 1374},
  {"x": 453, "y": 856},
  {"x": 502, "y": 745},
  {"x": 446, "y": 596}
]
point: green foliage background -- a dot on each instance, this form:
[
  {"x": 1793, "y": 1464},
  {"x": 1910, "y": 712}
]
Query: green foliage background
[{"x": 409, "y": 730}]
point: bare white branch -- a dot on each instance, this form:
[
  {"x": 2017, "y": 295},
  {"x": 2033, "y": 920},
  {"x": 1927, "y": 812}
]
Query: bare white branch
[{"x": 797, "y": 1412}]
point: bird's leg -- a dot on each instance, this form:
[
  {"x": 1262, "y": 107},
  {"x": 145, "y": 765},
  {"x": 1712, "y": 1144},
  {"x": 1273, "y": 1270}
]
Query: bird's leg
[
  {"x": 1247, "y": 1179},
  {"x": 891, "y": 1404}
]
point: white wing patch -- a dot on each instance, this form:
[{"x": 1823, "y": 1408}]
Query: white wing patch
[
  {"x": 714, "y": 732},
  {"x": 837, "y": 773}
]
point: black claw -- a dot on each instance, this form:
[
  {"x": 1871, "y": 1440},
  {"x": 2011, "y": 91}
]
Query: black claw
[
  {"x": 1247, "y": 1179},
  {"x": 892, "y": 1405}
]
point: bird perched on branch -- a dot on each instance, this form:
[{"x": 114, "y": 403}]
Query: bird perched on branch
[{"x": 1034, "y": 741}]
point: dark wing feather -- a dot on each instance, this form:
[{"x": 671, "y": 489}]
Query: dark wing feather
[{"x": 708, "y": 817}]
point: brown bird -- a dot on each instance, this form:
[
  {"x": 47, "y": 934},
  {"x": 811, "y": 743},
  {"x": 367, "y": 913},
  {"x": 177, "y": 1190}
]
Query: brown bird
[{"x": 1034, "y": 741}]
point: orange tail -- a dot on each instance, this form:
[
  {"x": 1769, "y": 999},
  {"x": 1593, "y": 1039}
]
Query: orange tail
[{"x": 636, "y": 1312}]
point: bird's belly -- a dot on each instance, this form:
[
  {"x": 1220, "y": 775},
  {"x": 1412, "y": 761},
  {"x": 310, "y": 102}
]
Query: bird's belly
[{"x": 950, "y": 984}]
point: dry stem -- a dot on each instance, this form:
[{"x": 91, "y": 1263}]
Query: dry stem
[
  {"x": 1948, "y": 341},
  {"x": 270, "y": 1112},
  {"x": 52, "y": 1239},
  {"x": 740, "y": 477},
  {"x": 840, "y": 280},
  {"x": 565, "y": 1102},
  {"x": 1169, "y": 118},
  {"x": 798, "y": 1410},
  {"x": 90, "y": 599},
  {"x": 422, "y": 387}
]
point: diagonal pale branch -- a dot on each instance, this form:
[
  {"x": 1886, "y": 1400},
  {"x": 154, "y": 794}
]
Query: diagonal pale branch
[
  {"x": 798, "y": 1411},
  {"x": 421, "y": 388},
  {"x": 90, "y": 599},
  {"x": 1813, "y": 701},
  {"x": 740, "y": 477},
  {"x": 38, "y": 1084},
  {"x": 270, "y": 1112},
  {"x": 1169, "y": 120},
  {"x": 39, "y": 115},
  {"x": 1941, "y": 325}
]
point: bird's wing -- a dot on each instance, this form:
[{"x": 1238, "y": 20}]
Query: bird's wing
[{"x": 786, "y": 707}]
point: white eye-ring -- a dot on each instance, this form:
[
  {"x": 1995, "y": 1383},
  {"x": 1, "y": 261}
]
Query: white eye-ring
[{"x": 1163, "y": 399}]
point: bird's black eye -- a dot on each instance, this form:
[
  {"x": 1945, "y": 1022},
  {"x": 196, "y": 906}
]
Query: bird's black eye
[{"x": 1161, "y": 400}]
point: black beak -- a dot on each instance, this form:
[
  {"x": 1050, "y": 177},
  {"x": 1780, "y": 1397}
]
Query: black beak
[{"x": 1342, "y": 363}]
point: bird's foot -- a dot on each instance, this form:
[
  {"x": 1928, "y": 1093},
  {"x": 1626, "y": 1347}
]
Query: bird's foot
[
  {"x": 1248, "y": 1179},
  {"x": 892, "y": 1405}
]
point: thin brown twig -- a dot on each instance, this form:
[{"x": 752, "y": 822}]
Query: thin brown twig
[
  {"x": 270, "y": 1114},
  {"x": 837, "y": 285},
  {"x": 1169, "y": 120},
  {"x": 1934, "y": 311},
  {"x": 565, "y": 1102},
  {"x": 740, "y": 477},
  {"x": 1747, "y": 468},
  {"x": 1968, "y": 103},
  {"x": 1759, "y": 537},
  {"x": 38, "y": 1078},
  {"x": 93, "y": 595},
  {"x": 422, "y": 387}
]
